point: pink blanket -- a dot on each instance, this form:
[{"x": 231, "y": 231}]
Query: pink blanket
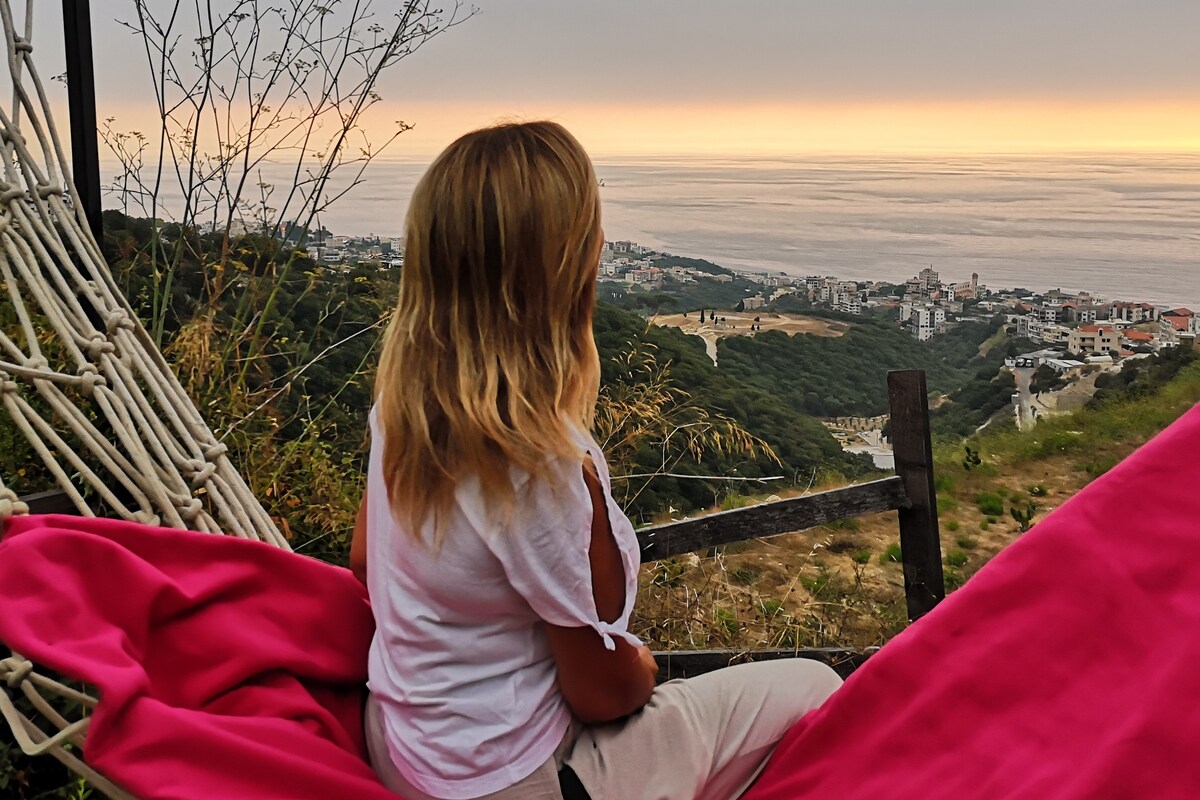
[
  {"x": 1069, "y": 667},
  {"x": 227, "y": 669}
]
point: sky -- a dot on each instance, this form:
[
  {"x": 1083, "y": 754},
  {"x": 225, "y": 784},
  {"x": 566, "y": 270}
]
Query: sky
[{"x": 772, "y": 76}]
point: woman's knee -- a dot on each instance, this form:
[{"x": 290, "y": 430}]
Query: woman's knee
[{"x": 800, "y": 684}]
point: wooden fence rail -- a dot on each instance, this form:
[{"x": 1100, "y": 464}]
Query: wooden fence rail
[{"x": 911, "y": 492}]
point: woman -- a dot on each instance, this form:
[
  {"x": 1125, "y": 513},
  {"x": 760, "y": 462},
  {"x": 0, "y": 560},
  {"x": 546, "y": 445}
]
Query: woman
[{"x": 501, "y": 572}]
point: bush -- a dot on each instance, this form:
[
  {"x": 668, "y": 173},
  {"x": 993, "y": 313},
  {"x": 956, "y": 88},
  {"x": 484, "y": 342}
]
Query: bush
[
  {"x": 966, "y": 542},
  {"x": 891, "y": 555},
  {"x": 1039, "y": 490},
  {"x": 862, "y": 556},
  {"x": 952, "y": 525},
  {"x": 984, "y": 524},
  {"x": 990, "y": 504},
  {"x": 956, "y": 558}
]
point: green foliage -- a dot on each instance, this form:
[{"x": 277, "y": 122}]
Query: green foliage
[
  {"x": 971, "y": 460},
  {"x": 1046, "y": 379},
  {"x": 953, "y": 579},
  {"x": 726, "y": 619},
  {"x": 1039, "y": 490},
  {"x": 990, "y": 504},
  {"x": 1098, "y": 466},
  {"x": 966, "y": 542},
  {"x": 803, "y": 446},
  {"x": 988, "y": 391},
  {"x": 1142, "y": 378},
  {"x": 984, "y": 524},
  {"x": 956, "y": 558},
  {"x": 862, "y": 556},
  {"x": 946, "y": 503},
  {"x": 952, "y": 525},
  {"x": 731, "y": 501},
  {"x": 891, "y": 555},
  {"x": 1024, "y": 514},
  {"x": 846, "y": 375}
]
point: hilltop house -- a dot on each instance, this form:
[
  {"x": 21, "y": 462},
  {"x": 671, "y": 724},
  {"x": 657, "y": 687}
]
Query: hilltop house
[{"x": 1093, "y": 339}]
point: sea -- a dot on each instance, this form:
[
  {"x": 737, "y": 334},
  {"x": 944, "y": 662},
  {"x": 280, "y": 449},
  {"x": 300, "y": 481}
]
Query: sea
[{"x": 1122, "y": 226}]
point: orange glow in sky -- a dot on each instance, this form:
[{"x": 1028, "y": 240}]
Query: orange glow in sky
[
  {"x": 965, "y": 126},
  {"x": 777, "y": 129}
]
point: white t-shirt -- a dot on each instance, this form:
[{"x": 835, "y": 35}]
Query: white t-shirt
[{"x": 460, "y": 663}]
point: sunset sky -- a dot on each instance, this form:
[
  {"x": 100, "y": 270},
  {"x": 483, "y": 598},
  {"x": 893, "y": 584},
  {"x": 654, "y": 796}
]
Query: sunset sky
[{"x": 779, "y": 76}]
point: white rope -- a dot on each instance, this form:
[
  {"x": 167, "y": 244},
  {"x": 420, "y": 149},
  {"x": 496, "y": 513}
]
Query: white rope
[{"x": 85, "y": 385}]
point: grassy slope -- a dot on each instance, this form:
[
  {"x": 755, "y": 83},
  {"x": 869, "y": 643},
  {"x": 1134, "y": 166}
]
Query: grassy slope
[{"x": 841, "y": 585}]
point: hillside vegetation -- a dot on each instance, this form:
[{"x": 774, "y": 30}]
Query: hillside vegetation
[{"x": 842, "y": 585}]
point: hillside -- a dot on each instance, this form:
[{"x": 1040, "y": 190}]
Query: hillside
[
  {"x": 843, "y": 585},
  {"x": 847, "y": 375}
]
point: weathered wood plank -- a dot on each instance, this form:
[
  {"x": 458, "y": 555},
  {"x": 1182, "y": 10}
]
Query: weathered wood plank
[
  {"x": 688, "y": 663},
  {"x": 54, "y": 501},
  {"x": 920, "y": 540},
  {"x": 771, "y": 519}
]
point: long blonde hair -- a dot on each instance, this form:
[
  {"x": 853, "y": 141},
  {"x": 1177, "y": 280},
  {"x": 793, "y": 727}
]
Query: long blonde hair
[{"x": 489, "y": 358}]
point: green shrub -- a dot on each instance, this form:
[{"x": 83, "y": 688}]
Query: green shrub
[
  {"x": 732, "y": 501},
  {"x": 891, "y": 555},
  {"x": 966, "y": 542},
  {"x": 1039, "y": 490},
  {"x": 862, "y": 556},
  {"x": 956, "y": 558},
  {"x": 953, "y": 579},
  {"x": 990, "y": 504},
  {"x": 984, "y": 524},
  {"x": 1024, "y": 515},
  {"x": 952, "y": 525}
]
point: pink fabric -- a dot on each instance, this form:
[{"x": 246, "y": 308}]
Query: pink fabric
[
  {"x": 1069, "y": 667},
  {"x": 227, "y": 669}
]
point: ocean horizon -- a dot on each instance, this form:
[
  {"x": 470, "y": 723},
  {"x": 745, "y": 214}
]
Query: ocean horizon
[{"x": 1123, "y": 226}]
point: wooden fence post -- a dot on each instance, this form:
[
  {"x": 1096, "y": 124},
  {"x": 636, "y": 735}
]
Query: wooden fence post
[{"x": 920, "y": 541}]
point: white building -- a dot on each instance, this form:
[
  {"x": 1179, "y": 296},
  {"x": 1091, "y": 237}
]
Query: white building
[{"x": 926, "y": 320}]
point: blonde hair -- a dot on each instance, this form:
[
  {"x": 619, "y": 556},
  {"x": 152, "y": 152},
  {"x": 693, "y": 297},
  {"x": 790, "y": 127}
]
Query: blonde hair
[{"x": 489, "y": 358}]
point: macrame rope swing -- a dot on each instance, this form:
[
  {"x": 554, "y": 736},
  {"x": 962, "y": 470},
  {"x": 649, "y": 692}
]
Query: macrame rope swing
[{"x": 84, "y": 384}]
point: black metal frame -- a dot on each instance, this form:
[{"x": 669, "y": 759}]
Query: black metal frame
[{"x": 81, "y": 98}]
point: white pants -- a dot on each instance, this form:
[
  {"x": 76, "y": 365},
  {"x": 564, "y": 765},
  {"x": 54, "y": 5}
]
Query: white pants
[{"x": 705, "y": 738}]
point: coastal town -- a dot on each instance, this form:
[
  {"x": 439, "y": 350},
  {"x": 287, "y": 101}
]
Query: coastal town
[
  {"x": 1069, "y": 324},
  {"x": 1075, "y": 327}
]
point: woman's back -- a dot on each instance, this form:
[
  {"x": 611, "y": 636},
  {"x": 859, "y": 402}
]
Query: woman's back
[{"x": 460, "y": 664}]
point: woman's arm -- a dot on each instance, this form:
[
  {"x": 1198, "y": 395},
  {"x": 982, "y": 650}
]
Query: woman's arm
[
  {"x": 599, "y": 684},
  {"x": 358, "y": 544}
]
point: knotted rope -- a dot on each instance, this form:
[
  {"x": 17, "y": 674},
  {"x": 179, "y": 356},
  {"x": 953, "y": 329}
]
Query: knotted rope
[{"x": 85, "y": 385}]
